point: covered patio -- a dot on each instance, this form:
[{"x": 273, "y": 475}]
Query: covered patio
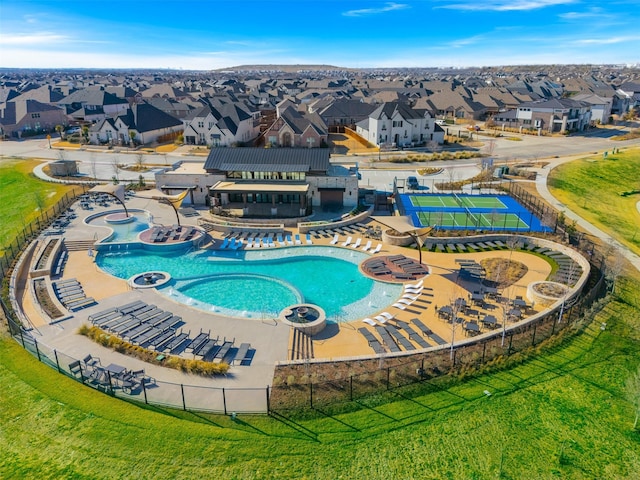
[{"x": 260, "y": 200}]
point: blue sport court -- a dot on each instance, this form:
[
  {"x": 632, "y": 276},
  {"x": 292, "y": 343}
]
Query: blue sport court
[{"x": 469, "y": 212}]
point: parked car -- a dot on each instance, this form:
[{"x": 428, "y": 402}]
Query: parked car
[
  {"x": 72, "y": 130},
  {"x": 412, "y": 183}
]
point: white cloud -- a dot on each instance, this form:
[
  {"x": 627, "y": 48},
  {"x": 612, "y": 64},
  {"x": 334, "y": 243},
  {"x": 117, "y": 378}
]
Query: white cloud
[
  {"x": 607, "y": 40},
  {"x": 44, "y": 38},
  {"x": 375, "y": 11},
  {"x": 504, "y": 5}
]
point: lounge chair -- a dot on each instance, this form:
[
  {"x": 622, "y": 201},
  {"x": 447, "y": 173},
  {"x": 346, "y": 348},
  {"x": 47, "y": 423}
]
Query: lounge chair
[
  {"x": 367, "y": 246},
  {"x": 289, "y": 241},
  {"x": 357, "y": 244},
  {"x": 336, "y": 237},
  {"x": 347, "y": 242},
  {"x": 242, "y": 354},
  {"x": 309, "y": 241},
  {"x": 369, "y": 321},
  {"x": 225, "y": 243},
  {"x": 377, "y": 249},
  {"x": 297, "y": 239}
]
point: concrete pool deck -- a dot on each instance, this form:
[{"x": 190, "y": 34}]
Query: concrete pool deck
[{"x": 271, "y": 339}]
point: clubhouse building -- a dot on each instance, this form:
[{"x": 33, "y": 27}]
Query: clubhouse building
[{"x": 265, "y": 182}]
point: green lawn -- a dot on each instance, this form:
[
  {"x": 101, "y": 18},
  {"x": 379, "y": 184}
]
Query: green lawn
[
  {"x": 23, "y": 196},
  {"x": 561, "y": 415},
  {"x": 592, "y": 187}
]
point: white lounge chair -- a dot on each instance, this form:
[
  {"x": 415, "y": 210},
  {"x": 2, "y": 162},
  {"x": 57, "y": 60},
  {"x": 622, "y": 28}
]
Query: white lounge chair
[
  {"x": 335, "y": 239},
  {"x": 413, "y": 298},
  {"x": 346, "y": 242},
  {"x": 381, "y": 319},
  {"x": 309, "y": 241},
  {"x": 387, "y": 315},
  {"x": 357, "y": 244},
  {"x": 288, "y": 239},
  {"x": 249, "y": 242},
  {"x": 297, "y": 239},
  {"x": 369, "y": 321},
  {"x": 269, "y": 240},
  {"x": 377, "y": 249},
  {"x": 280, "y": 240},
  {"x": 399, "y": 306},
  {"x": 414, "y": 285},
  {"x": 367, "y": 246}
]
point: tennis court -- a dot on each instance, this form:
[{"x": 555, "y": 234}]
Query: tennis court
[{"x": 469, "y": 212}]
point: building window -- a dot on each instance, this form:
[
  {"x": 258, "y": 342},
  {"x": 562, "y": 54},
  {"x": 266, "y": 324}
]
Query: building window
[
  {"x": 35, "y": 115},
  {"x": 200, "y": 124}
]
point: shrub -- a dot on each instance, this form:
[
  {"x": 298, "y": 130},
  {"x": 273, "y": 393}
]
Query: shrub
[{"x": 198, "y": 367}]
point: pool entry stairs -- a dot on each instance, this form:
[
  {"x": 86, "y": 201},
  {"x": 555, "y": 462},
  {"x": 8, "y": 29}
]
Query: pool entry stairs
[
  {"x": 79, "y": 245},
  {"x": 302, "y": 346}
]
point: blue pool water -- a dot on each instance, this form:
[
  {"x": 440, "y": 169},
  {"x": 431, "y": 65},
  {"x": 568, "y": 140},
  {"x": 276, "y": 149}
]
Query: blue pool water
[
  {"x": 257, "y": 283},
  {"x": 123, "y": 232}
]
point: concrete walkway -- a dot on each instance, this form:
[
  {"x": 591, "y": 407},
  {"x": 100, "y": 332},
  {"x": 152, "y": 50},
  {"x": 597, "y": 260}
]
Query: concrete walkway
[{"x": 543, "y": 191}]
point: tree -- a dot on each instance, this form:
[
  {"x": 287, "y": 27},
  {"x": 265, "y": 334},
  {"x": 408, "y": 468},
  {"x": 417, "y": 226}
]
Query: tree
[
  {"x": 116, "y": 170},
  {"x": 632, "y": 392},
  {"x": 85, "y": 134},
  {"x": 139, "y": 162},
  {"x": 93, "y": 166},
  {"x": 132, "y": 137},
  {"x": 60, "y": 130}
]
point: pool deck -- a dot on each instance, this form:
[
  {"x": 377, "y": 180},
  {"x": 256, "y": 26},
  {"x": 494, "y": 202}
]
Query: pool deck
[{"x": 271, "y": 339}]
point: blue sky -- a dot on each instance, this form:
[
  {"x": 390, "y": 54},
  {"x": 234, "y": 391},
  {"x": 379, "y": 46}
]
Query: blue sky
[{"x": 211, "y": 34}]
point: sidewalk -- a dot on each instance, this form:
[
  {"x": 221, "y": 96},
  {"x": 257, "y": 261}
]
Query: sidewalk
[{"x": 543, "y": 190}]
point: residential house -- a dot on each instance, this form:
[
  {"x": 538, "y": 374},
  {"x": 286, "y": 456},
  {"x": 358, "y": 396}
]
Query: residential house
[
  {"x": 631, "y": 90},
  {"x": 296, "y": 129},
  {"x": 342, "y": 112},
  {"x": 221, "y": 124},
  {"x": 26, "y": 116},
  {"x": 552, "y": 115},
  {"x": 145, "y": 122},
  {"x": 396, "y": 124},
  {"x": 600, "y": 106},
  {"x": 93, "y": 104}
]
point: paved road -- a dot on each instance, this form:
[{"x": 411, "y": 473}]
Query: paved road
[{"x": 380, "y": 177}]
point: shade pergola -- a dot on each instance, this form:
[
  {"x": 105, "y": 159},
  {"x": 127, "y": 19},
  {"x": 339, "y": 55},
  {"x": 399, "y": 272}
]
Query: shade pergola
[
  {"x": 116, "y": 191},
  {"x": 403, "y": 224},
  {"x": 173, "y": 200}
]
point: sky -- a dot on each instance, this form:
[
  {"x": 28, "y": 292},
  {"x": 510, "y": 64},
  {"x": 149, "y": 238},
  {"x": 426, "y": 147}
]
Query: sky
[{"x": 214, "y": 34}]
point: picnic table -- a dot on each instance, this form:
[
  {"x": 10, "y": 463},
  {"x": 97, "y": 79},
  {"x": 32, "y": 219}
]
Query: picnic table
[{"x": 489, "y": 321}]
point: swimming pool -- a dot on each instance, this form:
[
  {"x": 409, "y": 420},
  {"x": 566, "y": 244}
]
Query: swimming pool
[
  {"x": 122, "y": 232},
  {"x": 259, "y": 283}
]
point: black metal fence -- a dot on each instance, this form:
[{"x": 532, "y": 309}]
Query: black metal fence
[
  {"x": 313, "y": 385},
  {"x": 10, "y": 253},
  {"x": 326, "y": 385},
  {"x": 159, "y": 393}
]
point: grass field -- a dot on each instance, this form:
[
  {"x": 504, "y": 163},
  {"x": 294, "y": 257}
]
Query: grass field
[
  {"x": 592, "y": 187},
  {"x": 562, "y": 414},
  {"x": 23, "y": 196}
]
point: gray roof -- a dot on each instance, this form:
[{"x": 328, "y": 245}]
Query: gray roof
[
  {"x": 268, "y": 159},
  {"x": 390, "y": 108}
]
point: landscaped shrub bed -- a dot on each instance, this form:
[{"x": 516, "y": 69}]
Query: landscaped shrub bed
[
  {"x": 198, "y": 367},
  {"x": 42, "y": 294}
]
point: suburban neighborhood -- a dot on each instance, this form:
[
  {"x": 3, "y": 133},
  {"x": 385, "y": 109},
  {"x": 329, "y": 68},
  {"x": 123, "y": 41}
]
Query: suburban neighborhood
[{"x": 295, "y": 240}]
